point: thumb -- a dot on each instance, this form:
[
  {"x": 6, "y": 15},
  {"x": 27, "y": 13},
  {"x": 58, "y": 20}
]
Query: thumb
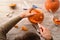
[
  {"x": 32, "y": 13},
  {"x": 41, "y": 31}
]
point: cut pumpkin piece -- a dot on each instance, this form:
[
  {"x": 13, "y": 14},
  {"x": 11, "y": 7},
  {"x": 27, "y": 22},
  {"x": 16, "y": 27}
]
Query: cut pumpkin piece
[
  {"x": 24, "y": 28},
  {"x": 16, "y": 26}
]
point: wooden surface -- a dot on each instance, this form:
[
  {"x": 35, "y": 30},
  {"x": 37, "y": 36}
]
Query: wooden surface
[{"x": 48, "y": 22}]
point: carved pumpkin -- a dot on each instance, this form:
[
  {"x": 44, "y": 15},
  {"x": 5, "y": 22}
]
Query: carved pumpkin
[
  {"x": 38, "y": 17},
  {"x": 52, "y": 5}
]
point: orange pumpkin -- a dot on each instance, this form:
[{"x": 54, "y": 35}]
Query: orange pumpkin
[
  {"x": 52, "y": 5},
  {"x": 38, "y": 17}
]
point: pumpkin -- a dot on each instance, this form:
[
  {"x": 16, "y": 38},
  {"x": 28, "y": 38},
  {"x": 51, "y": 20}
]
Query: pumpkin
[
  {"x": 38, "y": 17},
  {"x": 56, "y": 21},
  {"x": 52, "y": 5}
]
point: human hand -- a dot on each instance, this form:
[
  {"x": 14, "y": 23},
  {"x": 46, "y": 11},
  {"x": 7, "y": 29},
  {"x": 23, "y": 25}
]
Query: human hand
[
  {"x": 45, "y": 33},
  {"x": 27, "y": 13}
]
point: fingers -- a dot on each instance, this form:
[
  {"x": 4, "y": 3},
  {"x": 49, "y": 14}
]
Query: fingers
[
  {"x": 32, "y": 13},
  {"x": 40, "y": 26},
  {"x": 28, "y": 12},
  {"x": 41, "y": 31},
  {"x": 37, "y": 9}
]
